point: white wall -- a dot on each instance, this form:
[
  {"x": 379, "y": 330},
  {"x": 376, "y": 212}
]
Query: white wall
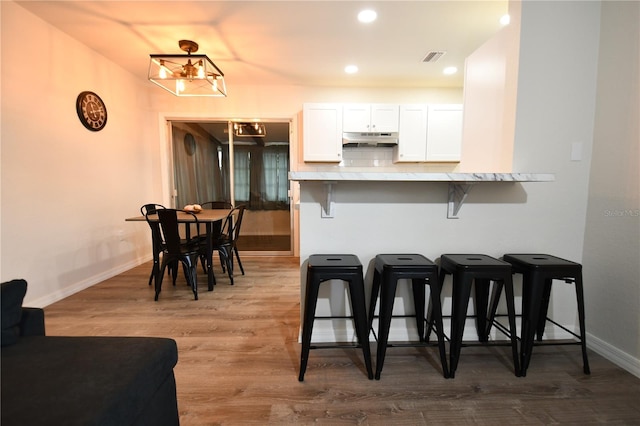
[
  {"x": 66, "y": 190},
  {"x": 490, "y": 91},
  {"x": 612, "y": 237},
  {"x": 555, "y": 109}
]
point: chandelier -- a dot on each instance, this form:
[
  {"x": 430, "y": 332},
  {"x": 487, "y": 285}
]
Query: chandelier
[
  {"x": 256, "y": 130},
  {"x": 187, "y": 75}
]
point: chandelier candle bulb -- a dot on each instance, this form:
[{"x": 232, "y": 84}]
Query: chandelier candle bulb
[{"x": 163, "y": 73}]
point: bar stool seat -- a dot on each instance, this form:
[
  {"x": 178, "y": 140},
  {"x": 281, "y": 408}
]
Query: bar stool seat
[
  {"x": 389, "y": 268},
  {"x": 345, "y": 267},
  {"x": 539, "y": 271},
  {"x": 478, "y": 269}
]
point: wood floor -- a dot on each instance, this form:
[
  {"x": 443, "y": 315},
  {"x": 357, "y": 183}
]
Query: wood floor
[{"x": 239, "y": 357}]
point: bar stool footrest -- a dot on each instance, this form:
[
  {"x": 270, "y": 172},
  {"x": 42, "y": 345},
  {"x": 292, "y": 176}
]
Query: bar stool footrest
[{"x": 334, "y": 346}]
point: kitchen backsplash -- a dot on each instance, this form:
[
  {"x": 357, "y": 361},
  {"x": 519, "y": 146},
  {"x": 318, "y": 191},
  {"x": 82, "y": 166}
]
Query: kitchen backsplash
[
  {"x": 367, "y": 157},
  {"x": 376, "y": 159}
]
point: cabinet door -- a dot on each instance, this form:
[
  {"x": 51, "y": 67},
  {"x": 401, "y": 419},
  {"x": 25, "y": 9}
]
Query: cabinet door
[
  {"x": 412, "y": 141},
  {"x": 444, "y": 133},
  {"x": 384, "y": 118},
  {"x": 322, "y": 133},
  {"x": 356, "y": 118}
]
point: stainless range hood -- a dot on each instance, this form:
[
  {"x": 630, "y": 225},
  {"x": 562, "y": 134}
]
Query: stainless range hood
[{"x": 368, "y": 139}]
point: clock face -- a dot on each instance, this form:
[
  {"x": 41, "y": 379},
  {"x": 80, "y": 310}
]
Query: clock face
[{"x": 91, "y": 111}]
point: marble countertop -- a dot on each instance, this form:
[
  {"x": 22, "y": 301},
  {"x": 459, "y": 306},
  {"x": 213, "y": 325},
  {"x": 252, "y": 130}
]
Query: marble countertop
[{"x": 337, "y": 176}]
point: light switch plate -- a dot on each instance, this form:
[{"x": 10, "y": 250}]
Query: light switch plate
[{"x": 576, "y": 151}]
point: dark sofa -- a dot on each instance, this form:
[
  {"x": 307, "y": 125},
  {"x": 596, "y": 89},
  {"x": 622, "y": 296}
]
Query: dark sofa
[{"x": 54, "y": 380}]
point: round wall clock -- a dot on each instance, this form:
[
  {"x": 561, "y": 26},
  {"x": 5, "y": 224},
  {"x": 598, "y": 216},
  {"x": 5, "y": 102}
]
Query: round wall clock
[
  {"x": 189, "y": 144},
  {"x": 91, "y": 111}
]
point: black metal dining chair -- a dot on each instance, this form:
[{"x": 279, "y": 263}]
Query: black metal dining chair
[
  {"x": 215, "y": 205},
  {"x": 177, "y": 250},
  {"x": 227, "y": 243},
  {"x": 155, "y": 237}
]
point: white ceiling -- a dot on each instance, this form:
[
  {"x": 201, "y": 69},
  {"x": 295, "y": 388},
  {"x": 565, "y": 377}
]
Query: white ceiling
[{"x": 287, "y": 42}]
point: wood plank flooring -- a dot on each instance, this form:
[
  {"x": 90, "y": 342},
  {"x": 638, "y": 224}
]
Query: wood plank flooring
[{"x": 239, "y": 357}]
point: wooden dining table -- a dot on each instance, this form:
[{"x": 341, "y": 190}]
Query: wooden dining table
[{"x": 212, "y": 218}]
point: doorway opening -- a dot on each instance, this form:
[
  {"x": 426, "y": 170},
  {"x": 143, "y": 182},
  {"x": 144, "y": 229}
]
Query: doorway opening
[{"x": 241, "y": 162}]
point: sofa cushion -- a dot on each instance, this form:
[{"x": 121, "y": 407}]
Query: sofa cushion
[
  {"x": 11, "y": 295},
  {"x": 54, "y": 380}
]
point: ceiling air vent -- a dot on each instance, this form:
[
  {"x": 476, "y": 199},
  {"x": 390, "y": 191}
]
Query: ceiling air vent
[{"x": 434, "y": 55}]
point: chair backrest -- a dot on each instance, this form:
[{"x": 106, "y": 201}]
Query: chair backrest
[
  {"x": 170, "y": 233},
  {"x": 235, "y": 223},
  {"x": 150, "y": 208},
  {"x": 216, "y": 205}
]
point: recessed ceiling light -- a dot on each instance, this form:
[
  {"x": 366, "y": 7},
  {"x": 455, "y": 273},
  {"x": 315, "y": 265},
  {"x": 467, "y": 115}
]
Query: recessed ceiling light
[
  {"x": 367, "y": 16},
  {"x": 505, "y": 19},
  {"x": 351, "y": 69},
  {"x": 450, "y": 70}
]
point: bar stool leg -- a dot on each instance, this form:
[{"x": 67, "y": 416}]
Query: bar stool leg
[
  {"x": 495, "y": 299},
  {"x": 581, "y": 320},
  {"x": 481, "y": 300},
  {"x": 417, "y": 285},
  {"x": 431, "y": 306},
  {"x": 511, "y": 313},
  {"x": 430, "y": 313},
  {"x": 435, "y": 307},
  {"x": 356, "y": 288},
  {"x": 375, "y": 290},
  {"x": 544, "y": 308},
  {"x": 530, "y": 317},
  {"x": 461, "y": 293},
  {"x": 311, "y": 298},
  {"x": 384, "y": 322}
]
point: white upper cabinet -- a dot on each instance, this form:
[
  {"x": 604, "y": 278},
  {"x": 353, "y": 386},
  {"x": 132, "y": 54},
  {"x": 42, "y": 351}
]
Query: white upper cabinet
[
  {"x": 379, "y": 118},
  {"x": 426, "y": 133},
  {"x": 412, "y": 136},
  {"x": 444, "y": 133},
  {"x": 429, "y": 133},
  {"x": 322, "y": 133}
]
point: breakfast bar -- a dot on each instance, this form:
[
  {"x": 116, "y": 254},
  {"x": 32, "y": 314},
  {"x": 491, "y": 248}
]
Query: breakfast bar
[
  {"x": 459, "y": 183},
  {"x": 367, "y": 213}
]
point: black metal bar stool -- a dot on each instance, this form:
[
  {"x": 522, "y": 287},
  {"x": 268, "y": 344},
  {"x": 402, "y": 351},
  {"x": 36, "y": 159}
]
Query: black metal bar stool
[
  {"x": 324, "y": 267},
  {"x": 389, "y": 268},
  {"x": 538, "y": 272},
  {"x": 480, "y": 269}
]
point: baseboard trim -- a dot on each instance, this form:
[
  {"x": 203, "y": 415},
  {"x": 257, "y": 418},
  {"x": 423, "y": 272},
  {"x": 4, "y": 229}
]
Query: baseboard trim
[
  {"x": 84, "y": 284},
  {"x": 615, "y": 355}
]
